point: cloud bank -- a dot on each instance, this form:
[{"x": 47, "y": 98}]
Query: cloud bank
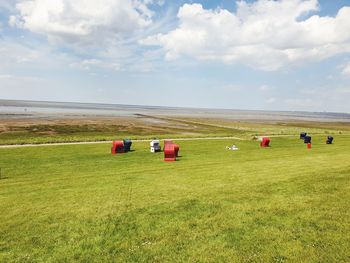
[
  {"x": 265, "y": 34},
  {"x": 346, "y": 69},
  {"x": 90, "y": 22}
]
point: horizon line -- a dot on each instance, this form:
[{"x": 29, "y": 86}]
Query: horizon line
[{"x": 169, "y": 107}]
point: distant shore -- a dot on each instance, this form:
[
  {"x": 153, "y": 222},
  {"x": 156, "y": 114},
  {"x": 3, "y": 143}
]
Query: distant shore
[{"x": 18, "y": 109}]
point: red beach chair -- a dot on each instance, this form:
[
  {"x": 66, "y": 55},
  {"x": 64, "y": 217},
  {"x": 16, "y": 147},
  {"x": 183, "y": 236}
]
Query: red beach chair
[
  {"x": 169, "y": 153},
  {"x": 265, "y": 142},
  {"x": 117, "y": 147}
]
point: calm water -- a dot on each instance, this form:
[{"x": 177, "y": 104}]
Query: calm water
[{"x": 34, "y": 109}]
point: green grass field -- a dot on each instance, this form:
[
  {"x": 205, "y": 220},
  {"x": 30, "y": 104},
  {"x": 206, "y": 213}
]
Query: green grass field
[{"x": 80, "y": 203}]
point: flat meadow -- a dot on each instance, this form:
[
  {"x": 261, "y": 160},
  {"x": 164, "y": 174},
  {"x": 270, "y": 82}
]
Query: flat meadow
[{"x": 79, "y": 203}]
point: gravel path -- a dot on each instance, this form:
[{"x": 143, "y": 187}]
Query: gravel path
[{"x": 96, "y": 142}]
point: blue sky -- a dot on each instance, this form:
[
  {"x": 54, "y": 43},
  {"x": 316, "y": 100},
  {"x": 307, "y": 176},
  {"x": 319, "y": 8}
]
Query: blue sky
[{"x": 265, "y": 55}]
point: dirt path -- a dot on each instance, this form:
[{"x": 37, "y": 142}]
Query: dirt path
[{"x": 97, "y": 142}]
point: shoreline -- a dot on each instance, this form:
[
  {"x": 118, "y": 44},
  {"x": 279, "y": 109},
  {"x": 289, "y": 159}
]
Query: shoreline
[{"x": 17, "y": 109}]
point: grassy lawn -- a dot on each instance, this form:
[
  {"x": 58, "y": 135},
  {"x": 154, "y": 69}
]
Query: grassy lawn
[{"x": 79, "y": 203}]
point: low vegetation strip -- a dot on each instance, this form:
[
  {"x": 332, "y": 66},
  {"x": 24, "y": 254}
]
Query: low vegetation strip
[
  {"x": 105, "y": 130},
  {"x": 145, "y": 127}
]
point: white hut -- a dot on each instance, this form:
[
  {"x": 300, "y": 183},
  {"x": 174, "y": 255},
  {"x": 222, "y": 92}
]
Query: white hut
[{"x": 155, "y": 146}]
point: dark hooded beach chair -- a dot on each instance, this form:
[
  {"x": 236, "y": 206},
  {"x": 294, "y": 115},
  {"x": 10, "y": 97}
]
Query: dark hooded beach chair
[
  {"x": 329, "y": 140},
  {"x": 127, "y": 145},
  {"x": 307, "y": 139}
]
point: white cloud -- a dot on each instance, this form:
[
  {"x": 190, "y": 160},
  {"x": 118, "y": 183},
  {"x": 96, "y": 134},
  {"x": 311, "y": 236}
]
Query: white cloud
[
  {"x": 312, "y": 91},
  {"x": 264, "y": 88},
  {"x": 9, "y": 77},
  {"x": 89, "y": 64},
  {"x": 82, "y": 21},
  {"x": 13, "y": 52},
  {"x": 231, "y": 88},
  {"x": 6, "y": 5},
  {"x": 14, "y": 22},
  {"x": 346, "y": 70},
  {"x": 271, "y": 100},
  {"x": 106, "y": 30},
  {"x": 343, "y": 90},
  {"x": 156, "y": 2},
  {"x": 265, "y": 34},
  {"x": 5, "y": 76}
]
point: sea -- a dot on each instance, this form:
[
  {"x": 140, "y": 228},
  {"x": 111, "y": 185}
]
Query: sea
[{"x": 22, "y": 109}]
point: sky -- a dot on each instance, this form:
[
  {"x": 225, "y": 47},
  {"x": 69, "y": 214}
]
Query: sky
[{"x": 258, "y": 55}]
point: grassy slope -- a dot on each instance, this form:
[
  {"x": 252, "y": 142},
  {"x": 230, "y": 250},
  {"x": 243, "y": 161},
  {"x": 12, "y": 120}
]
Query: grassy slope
[{"x": 284, "y": 203}]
